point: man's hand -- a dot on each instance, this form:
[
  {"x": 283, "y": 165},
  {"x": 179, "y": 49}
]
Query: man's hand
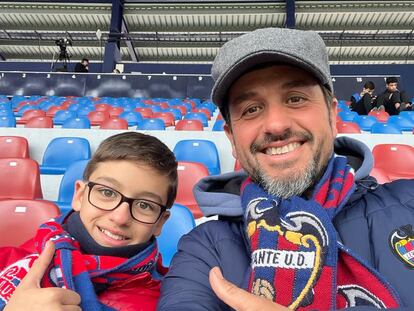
[
  {"x": 237, "y": 298},
  {"x": 30, "y": 296}
]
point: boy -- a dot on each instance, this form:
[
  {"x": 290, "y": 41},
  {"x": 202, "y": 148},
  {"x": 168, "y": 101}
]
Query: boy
[
  {"x": 364, "y": 105},
  {"x": 104, "y": 255}
]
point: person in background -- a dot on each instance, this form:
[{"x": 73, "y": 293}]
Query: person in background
[
  {"x": 302, "y": 227},
  {"x": 103, "y": 255},
  {"x": 83, "y": 66},
  {"x": 364, "y": 105},
  {"x": 392, "y": 99}
]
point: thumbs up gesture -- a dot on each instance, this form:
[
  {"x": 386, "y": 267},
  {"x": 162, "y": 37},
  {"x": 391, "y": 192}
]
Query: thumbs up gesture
[{"x": 30, "y": 296}]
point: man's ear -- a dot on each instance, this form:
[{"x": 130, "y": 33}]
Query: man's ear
[
  {"x": 80, "y": 188},
  {"x": 229, "y": 134},
  {"x": 164, "y": 217}
]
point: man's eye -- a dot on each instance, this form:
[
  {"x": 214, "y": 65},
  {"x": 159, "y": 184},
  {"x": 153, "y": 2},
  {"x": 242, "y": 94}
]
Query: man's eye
[
  {"x": 296, "y": 99},
  {"x": 251, "y": 111}
]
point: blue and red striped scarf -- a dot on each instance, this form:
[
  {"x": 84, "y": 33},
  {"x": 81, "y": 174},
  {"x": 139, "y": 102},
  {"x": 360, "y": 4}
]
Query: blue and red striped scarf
[
  {"x": 72, "y": 269},
  {"x": 296, "y": 258}
]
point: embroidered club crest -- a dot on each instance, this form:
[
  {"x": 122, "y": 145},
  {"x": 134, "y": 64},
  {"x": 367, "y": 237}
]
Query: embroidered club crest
[{"x": 402, "y": 244}]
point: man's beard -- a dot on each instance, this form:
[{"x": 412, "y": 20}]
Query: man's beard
[{"x": 298, "y": 182}]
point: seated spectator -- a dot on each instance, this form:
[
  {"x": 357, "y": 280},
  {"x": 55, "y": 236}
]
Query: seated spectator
[
  {"x": 392, "y": 99},
  {"x": 365, "y": 104},
  {"x": 103, "y": 254},
  {"x": 83, "y": 66}
]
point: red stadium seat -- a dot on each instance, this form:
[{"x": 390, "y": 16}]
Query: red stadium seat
[
  {"x": 380, "y": 115},
  {"x": 189, "y": 173},
  {"x": 167, "y": 117},
  {"x": 98, "y": 117},
  {"x": 182, "y": 108},
  {"x": 115, "y": 111},
  {"x": 14, "y": 147},
  {"x": 19, "y": 179},
  {"x": 145, "y": 112},
  {"x": 189, "y": 125},
  {"x": 39, "y": 122},
  {"x": 203, "y": 110},
  {"x": 114, "y": 124},
  {"x": 347, "y": 127},
  {"x": 30, "y": 114},
  {"x": 19, "y": 219},
  {"x": 393, "y": 161},
  {"x": 103, "y": 107},
  {"x": 52, "y": 110}
]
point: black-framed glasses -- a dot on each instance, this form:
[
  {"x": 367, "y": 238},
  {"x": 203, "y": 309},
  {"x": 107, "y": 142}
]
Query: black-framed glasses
[{"x": 107, "y": 199}]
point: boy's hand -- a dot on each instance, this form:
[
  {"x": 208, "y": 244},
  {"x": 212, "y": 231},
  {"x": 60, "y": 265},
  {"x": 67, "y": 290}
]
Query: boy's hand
[
  {"x": 237, "y": 298},
  {"x": 30, "y": 296}
]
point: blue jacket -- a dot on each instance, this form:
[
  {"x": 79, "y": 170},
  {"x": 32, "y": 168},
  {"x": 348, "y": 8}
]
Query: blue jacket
[{"x": 373, "y": 216}]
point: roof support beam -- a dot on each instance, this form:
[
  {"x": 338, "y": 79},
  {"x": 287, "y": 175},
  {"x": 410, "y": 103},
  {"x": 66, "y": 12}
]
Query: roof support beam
[
  {"x": 112, "y": 46},
  {"x": 128, "y": 42},
  {"x": 290, "y": 14}
]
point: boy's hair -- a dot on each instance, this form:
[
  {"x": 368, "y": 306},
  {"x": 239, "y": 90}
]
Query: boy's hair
[
  {"x": 85, "y": 60},
  {"x": 139, "y": 148},
  {"x": 369, "y": 85},
  {"x": 391, "y": 80}
]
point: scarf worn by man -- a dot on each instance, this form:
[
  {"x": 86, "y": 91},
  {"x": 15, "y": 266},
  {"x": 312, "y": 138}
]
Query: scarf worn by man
[
  {"x": 297, "y": 260},
  {"x": 72, "y": 269}
]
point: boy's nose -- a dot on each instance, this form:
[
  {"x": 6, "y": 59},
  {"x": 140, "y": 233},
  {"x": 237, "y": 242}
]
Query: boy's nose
[{"x": 121, "y": 215}]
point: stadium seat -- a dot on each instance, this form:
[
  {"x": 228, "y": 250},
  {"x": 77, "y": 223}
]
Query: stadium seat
[
  {"x": 52, "y": 110},
  {"x": 114, "y": 124},
  {"x": 132, "y": 117},
  {"x": 189, "y": 173},
  {"x": 62, "y": 152},
  {"x": 151, "y": 124},
  {"x": 62, "y": 115},
  {"x": 14, "y": 147},
  {"x": 180, "y": 222},
  {"x": 176, "y": 112},
  {"x": 19, "y": 179},
  {"x": 189, "y": 125},
  {"x": 393, "y": 161},
  {"x": 28, "y": 114},
  {"x": 197, "y": 116},
  {"x": 145, "y": 112},
  {"x": 39, "y": 122},
  {"x": 103, "y": 107},
  {"x": 385, "y": 128},
  {"x": 98, "y": 117},
  {"x": 77, "y": 123},
  {"x": 219, "y": 125},
  {"x": 167, "y": 117},
  {"x": 198, "y": 150},
  {"x": 202, "y": 110},
  {"x": 381, "y": 115},
  {"x": 347, "y": 128},
  {"x": 405, "y": 124},
  {"x": 347, "y": 116},
  {"x": 365, "y": 122},
  {"x": 67, "y": 185},
  {"x": 407, "y": 114},
  {"x": 20, "y": 219},
  {"x": 7, "y": 121},
  {"x": 115, "y": 111}
]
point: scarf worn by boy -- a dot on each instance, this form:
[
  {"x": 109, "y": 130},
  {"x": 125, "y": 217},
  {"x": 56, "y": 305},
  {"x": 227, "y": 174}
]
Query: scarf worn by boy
[
  {"x": 79, "y": 272},
  {"x": 297, "y": 260}
]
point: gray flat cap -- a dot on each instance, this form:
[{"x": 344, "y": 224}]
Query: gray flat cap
[{"x": 303, "y": 49}]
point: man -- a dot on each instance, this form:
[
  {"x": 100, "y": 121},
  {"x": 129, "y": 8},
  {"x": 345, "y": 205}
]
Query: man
[
  {"x": 83, "y": 66},
  {"x": 298, "y": 229},
  {"x": 392, "y": 99},
  {"x": 363, "y": 105}
]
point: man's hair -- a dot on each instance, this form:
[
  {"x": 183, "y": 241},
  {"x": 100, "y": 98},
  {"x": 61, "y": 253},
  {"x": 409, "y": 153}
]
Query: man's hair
[
  {"x": 85, "y": 60},
  {"x": 391, "y": 80},
  {"x": 369, "y": 85},
  {"x": 141, "y": 149}
]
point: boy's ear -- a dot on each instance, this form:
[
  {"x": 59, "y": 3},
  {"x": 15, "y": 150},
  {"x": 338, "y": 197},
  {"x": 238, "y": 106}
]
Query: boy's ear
[
  {"x": 164, "y": 217},
  {"x": 80, "y": 188}
]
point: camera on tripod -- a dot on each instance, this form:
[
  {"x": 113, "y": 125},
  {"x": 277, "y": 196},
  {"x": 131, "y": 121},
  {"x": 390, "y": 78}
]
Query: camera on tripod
[{"x": 63, "y": 43}]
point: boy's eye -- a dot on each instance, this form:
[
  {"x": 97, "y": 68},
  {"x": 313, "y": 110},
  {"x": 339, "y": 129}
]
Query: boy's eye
[
  {"x": 108, "y": 193},
  {"x": 143, "y": 205}
]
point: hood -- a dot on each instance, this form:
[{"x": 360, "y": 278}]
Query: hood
[{"x": 220, "y": 194}]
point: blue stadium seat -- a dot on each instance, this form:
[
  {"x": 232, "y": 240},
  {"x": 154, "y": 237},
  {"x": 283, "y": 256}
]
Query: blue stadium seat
[
  {"x": 176, "y": 112},
  {"x": 347, "y": 116},
  {"x": 5, "y": 105},
  {"x": 197, "y": 116},
  {"x": 181, "y": 221},
  {"x": 385, "y": 128},
  {"x": 6, "y": 113},
  {"x": 404, "y": 114},
  {"x": 365, "y": 122},
  {"x": 403, "y": 123},
  {"x": 25, "y": 108},
  {"x": 77, "y": 123},
  {"x": 356, "y": 96},
  {"x": 67, "y": 185},
  {"x": 151, "y": 124},
  {"x": 62, "y": 115},
  {"x": 219, "y": 125},
  {"x": 84, "y": 110},
  {"x": 62, "y": 152},
  {"x": 132, "y": 117},
  {"x": 198, "y": 150},
  {"x": 7, "y": 121}
]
